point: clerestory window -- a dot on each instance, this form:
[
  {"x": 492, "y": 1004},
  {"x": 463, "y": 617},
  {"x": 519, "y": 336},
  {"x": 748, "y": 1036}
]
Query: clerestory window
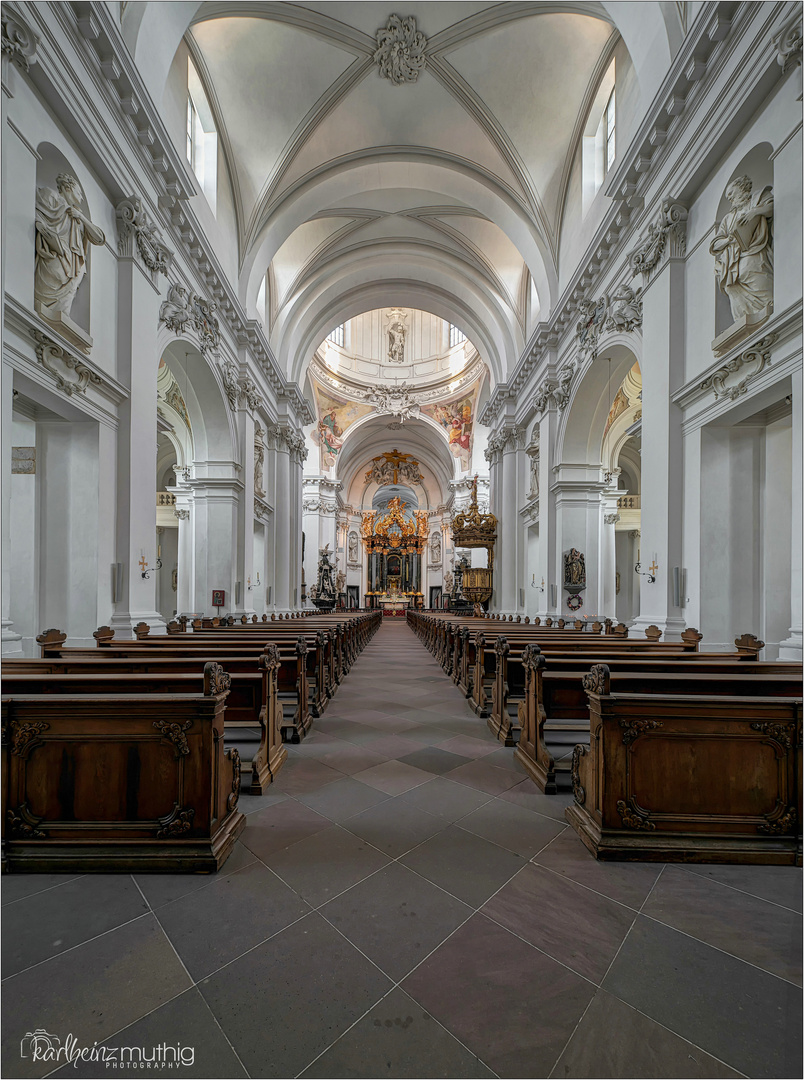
[
  {"x": 337, "y": 336},
  {"x": 456, "y": 336},
  {"x": 202, "y": 137}
]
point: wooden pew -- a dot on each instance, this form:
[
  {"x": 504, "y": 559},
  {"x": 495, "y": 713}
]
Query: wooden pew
[
  {"x": 119, "y": 783},
  {"x": 292, "y": 689},
  {"x": 690, "y": 778},
  {"x": 555, "y": 703},
  {"x": 252, "y": 701}
]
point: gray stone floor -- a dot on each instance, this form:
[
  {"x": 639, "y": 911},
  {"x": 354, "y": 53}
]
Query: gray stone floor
[{"x": 405, "y": 903}]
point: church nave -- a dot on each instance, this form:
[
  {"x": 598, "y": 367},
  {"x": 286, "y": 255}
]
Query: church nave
[{"x": 405, "y": 902}]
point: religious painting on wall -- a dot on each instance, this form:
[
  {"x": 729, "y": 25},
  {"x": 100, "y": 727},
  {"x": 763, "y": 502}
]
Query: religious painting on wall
[
  {"x": 335, "y": 415},
  {"x": 618, "y": 407},
  {"x": 457, "y": 417}
]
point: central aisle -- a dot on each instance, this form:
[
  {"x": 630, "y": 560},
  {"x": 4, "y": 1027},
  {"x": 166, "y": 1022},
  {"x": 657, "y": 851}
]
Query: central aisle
[{"x": 405, "y": 903}]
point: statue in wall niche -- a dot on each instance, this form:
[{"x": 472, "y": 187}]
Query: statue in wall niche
[
  {"x": 396, "y": 341},
  {"x": 743, "y": 249},
  {"x": 435, "y": 548},
  {"x": 352, "y": 547},
  {"x": 534, "y": 475},
  {"x": 340, "y": 581},
  {"x": 63, "y": 236},
  {"x": 259, "y": 463}
]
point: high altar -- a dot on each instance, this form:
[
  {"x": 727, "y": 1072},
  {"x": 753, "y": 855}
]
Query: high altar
[{"x": 394, "y": 544}]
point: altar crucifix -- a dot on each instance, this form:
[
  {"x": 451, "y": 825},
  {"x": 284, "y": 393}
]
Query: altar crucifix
[{"x": 388, "y": 468}]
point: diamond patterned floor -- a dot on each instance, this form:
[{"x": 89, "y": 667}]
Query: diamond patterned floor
[{"x": 405, "y": 903}]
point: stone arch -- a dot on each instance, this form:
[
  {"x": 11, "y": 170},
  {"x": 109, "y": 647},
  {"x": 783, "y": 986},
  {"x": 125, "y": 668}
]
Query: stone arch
[
  {"x": 580, "y": 434},
  {"x": 211, "y": 422}
]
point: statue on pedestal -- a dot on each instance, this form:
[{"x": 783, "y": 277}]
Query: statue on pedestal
[
  {"x": 743, "y": 249},
  {"x": 63, "y": 236}
]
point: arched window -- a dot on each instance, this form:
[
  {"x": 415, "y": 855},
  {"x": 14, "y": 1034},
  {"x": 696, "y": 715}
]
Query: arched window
[
  {"x": 456, "y": 336},
  {"x": 337, "y": 336},
  {"x": 599, "y": 144},
  {"x": 202, "y": 137}
]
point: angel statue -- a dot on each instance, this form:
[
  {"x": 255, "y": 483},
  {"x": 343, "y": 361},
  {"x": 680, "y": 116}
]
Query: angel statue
[
  {"x": 743, "y": 249},
  {"x": 63, "y": 236}
]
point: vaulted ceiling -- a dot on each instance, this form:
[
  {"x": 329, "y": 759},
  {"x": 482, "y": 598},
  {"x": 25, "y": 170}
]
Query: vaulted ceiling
[{"x": 445, "y": 194}]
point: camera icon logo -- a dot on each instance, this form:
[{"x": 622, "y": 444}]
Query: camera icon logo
[{"x": 35, "y": 1044}]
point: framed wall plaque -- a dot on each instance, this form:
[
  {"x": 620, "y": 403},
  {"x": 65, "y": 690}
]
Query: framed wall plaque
[{"x": 218, "y": 597}]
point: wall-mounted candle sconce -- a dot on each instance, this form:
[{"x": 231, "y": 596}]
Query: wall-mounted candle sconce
[
  {"x": 650, "y": 573},
  {"x": 533, "y": 584},
  {"x": 143, "y": 564}
]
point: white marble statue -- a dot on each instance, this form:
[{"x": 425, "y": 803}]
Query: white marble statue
[
  {"x": 353, "y": 547},
  {"x": 63, "y": 236},
  {"x": 259, "y": 463},
  {"x": 396, "y": 342},
  {"x": 435, "y": 548},
  {"x": 743, "y": 249},
  {"x": 534, "y": 475}
]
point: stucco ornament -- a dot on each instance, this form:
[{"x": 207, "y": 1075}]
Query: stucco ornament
[
  {"x": 394, "y": 401},
  {"x": 593, "y": 315},
  {"x": 175, "y": 309},
  {"x": 625, "y": 309},
  {"x": 63, "y": 236},
  {"x": 743, "y": 249},
  {"x": 400, "y": 50}
]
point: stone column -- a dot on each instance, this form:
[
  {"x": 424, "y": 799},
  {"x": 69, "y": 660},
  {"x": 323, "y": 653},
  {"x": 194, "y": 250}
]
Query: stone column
[
  {"x": 137, "y": 325},
  {"x": 547, "y": 563},
  {"x": 11, "y": 640},
  {"x": 501, "y": 454},
  {"x": 607, "y": 573},
  {"x": 282, "y": 522},
  {"x": 791, "y": 647},
  {"x": 663, "y": 328}
]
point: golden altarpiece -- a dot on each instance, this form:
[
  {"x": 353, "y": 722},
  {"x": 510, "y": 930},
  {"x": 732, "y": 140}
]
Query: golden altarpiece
[{"x": 394, "y": 544}]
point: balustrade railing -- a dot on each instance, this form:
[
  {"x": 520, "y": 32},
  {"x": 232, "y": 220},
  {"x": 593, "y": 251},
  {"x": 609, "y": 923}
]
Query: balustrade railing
[
  {"x": 165, "y": 498},
  {"x": 629, "y": 502}
]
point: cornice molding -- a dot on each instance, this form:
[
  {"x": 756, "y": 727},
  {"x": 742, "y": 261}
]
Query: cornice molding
[{"x": 718, "y": 29}]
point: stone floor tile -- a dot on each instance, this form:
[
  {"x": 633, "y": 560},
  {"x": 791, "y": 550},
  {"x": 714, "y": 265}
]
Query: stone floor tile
[
  {"x": 434, "y": 759},
  {"x": 527, "y": 795},
  {"x": 396, "y": 918},
  {"x": 188, "y": 1031},
  {"x": 280, "y": 826},
  {"x": 779, "y": 884},
  {"x": 576, "y": 927},
  {"x": 391, "y": 746},
  {"x": 397, "y": 1038},
  {"x": 509, "y": 1004},
  {"x": 18, "y": 886},
  {"x": 349, "y": 758},
  {"x": 343, "y": 799},
  {"x": 426, "y": 734},
  {"x": 289, "y": 999},
  {"x": 393, "y": 777},
  {"x": 445, "y": 799},
  {"x": 628, "y": 882},
  {"x": 325, "y": 864},
  {"x": 642, "y": 1048},
  {"x": 745, "y": 926},
  {"x": 730, "y": 1009},
  {"x": 42, "y": 925},
  {"x": 210, "y": 928},
  {"x": 395, "y": 826},
  {"x": 161, "y": 889},
  {"x": 469, "y": 746},
  {"x": 489, "y": 778},
  {"x": 465, "y": 865},
  {"x": 298, "y": 777},
  {"x": 91, "y": 992},
  {"x": 512, "y": 827}
]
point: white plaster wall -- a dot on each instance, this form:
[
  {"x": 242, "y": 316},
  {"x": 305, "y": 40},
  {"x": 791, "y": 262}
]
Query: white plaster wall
[
  {"x": 773, "y": 123},
  {"x": 24, "y": 543}
]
